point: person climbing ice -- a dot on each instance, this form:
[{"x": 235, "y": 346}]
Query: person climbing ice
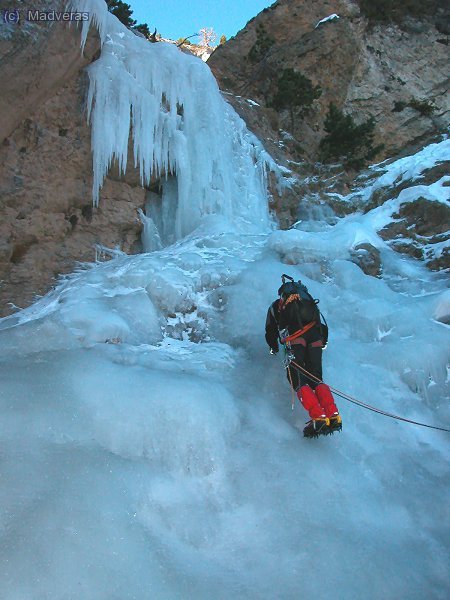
[{"x": 294, "y": 321}]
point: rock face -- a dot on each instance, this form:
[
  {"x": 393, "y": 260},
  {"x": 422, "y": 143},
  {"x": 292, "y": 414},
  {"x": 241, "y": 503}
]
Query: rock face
[
  {"x": 367, "y": 257},
  {"x": 420, "y": 230},
  {"x": 394, "y": 69},
  {"x": 48, "y": 223},
  {"x": 365, "y": 69}
]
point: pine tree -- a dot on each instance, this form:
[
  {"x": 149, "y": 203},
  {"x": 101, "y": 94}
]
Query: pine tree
[
  {"x": 295, "y": 92},
  {"x": 143, "y": 28},
  {"x": 264, "y": 41},
  {"x": 347, "y": 141},
  {"x": 122, "y": 11}
]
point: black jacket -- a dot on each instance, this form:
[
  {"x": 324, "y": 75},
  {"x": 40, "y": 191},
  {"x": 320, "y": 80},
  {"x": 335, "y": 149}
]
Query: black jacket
[
  {"x": 284, "y": 320},
  {"x": 272, "y": 335},
  {"x": 289, "y": 318}
]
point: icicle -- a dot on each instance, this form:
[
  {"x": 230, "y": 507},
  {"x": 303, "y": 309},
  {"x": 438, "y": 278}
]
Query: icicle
[
  {"x": 150, "y": 236},
  {"x": 179, "y": 123}
]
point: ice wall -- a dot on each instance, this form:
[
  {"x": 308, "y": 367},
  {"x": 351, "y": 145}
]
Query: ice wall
[{"x": 170, "y": 104}]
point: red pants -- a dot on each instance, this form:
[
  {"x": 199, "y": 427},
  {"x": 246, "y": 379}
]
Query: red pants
[{"x": 319, "y": 403}]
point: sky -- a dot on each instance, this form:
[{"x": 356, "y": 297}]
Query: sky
[{"x": 180, "y": 18}]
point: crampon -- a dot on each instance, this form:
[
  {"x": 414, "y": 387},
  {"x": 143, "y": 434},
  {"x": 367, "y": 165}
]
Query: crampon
[
  {"x": 316, "y": 427},
  {"x": 321, "y": 426},
  {"x": 335, "y": 424}
]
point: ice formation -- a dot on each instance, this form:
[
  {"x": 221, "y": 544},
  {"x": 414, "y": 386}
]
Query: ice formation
[{"x": 181, "y": 128}]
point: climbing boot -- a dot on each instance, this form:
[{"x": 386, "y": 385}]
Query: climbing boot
[
  {"x": 316, "y": 427},
  {"x": 335, "y": 423}
]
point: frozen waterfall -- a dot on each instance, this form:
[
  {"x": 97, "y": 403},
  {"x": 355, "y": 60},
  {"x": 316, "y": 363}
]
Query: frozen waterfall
[{"x": 180, "y": 128}]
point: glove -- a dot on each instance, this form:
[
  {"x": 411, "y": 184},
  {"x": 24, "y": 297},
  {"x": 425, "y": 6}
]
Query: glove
[{"x": 273, "y": 351}]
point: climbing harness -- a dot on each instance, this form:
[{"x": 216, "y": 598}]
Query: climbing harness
[
  {"x": 298, "y": 333},
  {"x": 364, "y": 405}
]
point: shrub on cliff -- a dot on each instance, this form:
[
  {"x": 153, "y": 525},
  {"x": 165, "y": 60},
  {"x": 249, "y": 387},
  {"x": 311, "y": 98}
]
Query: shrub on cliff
[
  {"x": 263, "y": 43},
  {"x": 295, "y": 92},
  {"x": 143, "y": 28},
  {"x": 347, "y": 141},
  {"x": 123, "y": 12},
  {"x": 424, "y": 107},
  {"x": 385, "y": 11}
]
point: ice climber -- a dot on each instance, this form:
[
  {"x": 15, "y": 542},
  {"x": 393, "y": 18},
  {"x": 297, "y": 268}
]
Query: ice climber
[{"x": 294, "y": 321}]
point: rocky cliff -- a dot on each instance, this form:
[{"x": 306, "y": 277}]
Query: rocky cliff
[
  {"x": 390, "y": 69},
  {"x": 48, "y": 223},
  {"x": 391, "y": 65}
]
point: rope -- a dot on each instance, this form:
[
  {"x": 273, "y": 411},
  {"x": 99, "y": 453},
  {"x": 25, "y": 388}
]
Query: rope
[
  {"x": 292, "y": 387},
  {"x": 364, "y": 405}
]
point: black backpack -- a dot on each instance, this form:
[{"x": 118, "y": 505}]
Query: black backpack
[{"x": 309, "y": 311}]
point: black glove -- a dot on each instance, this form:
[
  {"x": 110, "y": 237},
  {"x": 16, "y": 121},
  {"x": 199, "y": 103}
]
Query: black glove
[{"x": 274, "y": 350}]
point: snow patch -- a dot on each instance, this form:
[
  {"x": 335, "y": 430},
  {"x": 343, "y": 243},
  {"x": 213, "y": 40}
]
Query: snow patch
[{"x": 333, "y": 17}]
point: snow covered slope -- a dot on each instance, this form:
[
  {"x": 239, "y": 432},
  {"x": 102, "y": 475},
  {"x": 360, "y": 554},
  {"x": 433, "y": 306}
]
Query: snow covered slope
[{"x": 148, "y": 448}]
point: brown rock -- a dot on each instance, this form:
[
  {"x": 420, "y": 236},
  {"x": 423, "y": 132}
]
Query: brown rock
[
  {"x": 418, "y": 227},
  {"x": 48, "y": 223},
  {"x": 363, "y": 69},
  {"x": 36, "y": 59},
  {"x": 367, "y": 257}
]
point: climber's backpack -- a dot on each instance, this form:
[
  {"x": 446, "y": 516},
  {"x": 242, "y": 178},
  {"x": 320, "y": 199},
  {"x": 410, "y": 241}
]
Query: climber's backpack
[{"x": 309, "y": 311}]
